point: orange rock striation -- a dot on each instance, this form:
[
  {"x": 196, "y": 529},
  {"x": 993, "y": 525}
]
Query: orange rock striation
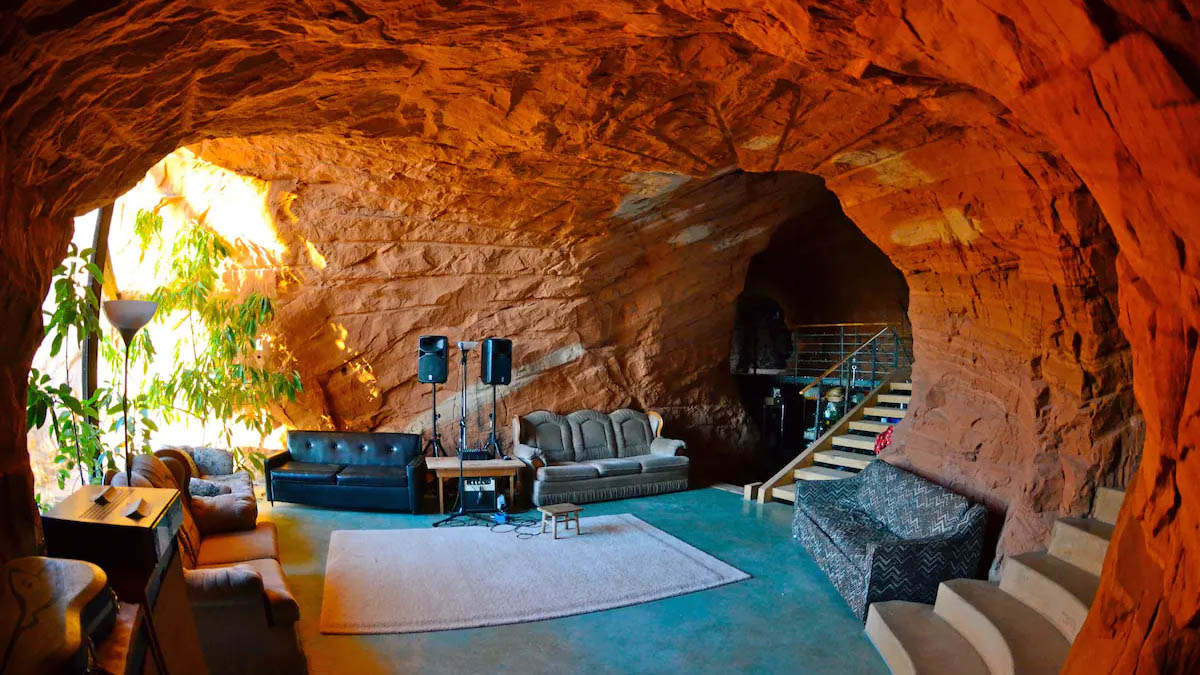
[{"x": 1024, "y": 163}]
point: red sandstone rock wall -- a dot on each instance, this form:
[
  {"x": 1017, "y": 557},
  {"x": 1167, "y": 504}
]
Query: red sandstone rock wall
[{"x": 985, "y": 147}]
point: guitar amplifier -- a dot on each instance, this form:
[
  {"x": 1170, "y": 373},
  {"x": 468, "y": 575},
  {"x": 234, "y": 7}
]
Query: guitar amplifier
[{"x": 479, "y": 495}]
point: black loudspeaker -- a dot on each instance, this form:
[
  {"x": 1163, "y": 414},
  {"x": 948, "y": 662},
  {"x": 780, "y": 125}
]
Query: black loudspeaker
[
  {"x": 431, "y": 358},
  {"x": 495, "y": 361}
]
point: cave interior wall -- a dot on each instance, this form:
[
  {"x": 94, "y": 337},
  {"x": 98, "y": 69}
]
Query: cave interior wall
[{"x": 1018, "y": 167}]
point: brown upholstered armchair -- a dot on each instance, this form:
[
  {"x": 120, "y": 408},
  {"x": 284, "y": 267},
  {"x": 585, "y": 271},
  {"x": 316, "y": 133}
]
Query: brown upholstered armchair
[{"x": 245, "y": 612}]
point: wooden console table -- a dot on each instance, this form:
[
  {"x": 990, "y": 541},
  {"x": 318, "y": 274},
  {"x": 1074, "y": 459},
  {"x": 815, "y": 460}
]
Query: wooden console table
[{"x": 447, "y": 467}]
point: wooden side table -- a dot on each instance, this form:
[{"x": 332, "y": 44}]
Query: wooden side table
[
  {"x": 447, "y": 467},
  {"x": 564, "y": 513}
]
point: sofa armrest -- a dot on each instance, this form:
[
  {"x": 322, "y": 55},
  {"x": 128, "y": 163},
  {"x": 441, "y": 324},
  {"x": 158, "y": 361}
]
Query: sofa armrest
[
  {"x": 416, "y": 482},
  {"x": 927, "y": 561},
  {"x": 271, "y": 461},
  {"x": 528, "y": 454},
  {"x": 667, "y": 446},
  {"x": 223, "y": 587}
]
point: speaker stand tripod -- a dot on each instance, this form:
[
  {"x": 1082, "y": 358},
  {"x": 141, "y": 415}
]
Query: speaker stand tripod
[
  {"x": 461, "y": 510},
  {"x": 434, "y": 444},
  {"x": 493, "y": 443}
]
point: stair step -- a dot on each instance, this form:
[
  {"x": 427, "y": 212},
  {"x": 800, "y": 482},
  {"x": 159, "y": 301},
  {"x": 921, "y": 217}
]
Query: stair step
[
  {"x": 876, "y": 411},
  {"x": 902, "y": 399},
  {"x": 853, "y": 460},
  {"x": 860, "y": 441},
  {"x": 1083, "y": 542},
  {"x": 1058, "y": 590},
  {"x": 900, "y": 386},
  {"x": 784, "y": 493},
  {"x": 819, "y": 473},
  {"x": 1107, "y": 504},
  {"x": 869, "y": 427},
  {"x": 914, "y": 640},
  {"x": 1010, "y": 637}
]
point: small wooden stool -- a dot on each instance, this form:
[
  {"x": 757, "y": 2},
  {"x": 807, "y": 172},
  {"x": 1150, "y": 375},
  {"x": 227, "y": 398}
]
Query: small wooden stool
[{"x": 565, "y": 513}]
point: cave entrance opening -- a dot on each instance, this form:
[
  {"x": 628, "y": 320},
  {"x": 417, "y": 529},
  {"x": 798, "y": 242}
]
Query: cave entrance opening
[{"x": 819, "y": 289}]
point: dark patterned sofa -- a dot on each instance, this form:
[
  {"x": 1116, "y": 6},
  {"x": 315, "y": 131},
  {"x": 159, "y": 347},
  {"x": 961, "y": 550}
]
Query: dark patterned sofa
[{"x": 887, "y": 534}]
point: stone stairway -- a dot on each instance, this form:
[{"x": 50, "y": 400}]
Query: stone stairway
[
  {"x": 853, "y": 450},
  {"x": 1025, "y": 624}
]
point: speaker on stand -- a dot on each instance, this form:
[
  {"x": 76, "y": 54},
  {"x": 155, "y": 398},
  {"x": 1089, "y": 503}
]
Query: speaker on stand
[
  {"x": 432, "y": 367},
  {"x": 495, "y": 367}
]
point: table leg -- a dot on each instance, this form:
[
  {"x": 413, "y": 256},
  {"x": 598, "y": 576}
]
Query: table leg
[
  {"x": 441, "y": 494},
  {"x": 543, "y": 524},
  {"x": 512, "y": 491},
  {"x": 577, "y": 530},
  {"x": 556, "y": 527}
]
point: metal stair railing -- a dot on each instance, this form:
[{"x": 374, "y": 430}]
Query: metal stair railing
[{"x": 888, "y": 349}]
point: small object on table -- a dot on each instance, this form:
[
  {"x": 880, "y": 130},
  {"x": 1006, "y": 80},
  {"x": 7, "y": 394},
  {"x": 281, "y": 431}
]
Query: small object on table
[
  {"x": 564, "y": 513},
  {"x": 447, "y": 468}
]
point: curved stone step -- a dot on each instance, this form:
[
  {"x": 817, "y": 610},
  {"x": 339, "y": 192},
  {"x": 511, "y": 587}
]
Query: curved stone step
[
  {"x": 1081, "y": 542},
  {"x": 1107, "y": 505},
  {"x": 1058, "y": 590},
  {"x": 914, "y": 640},
  {"x": 1011, "y": 637}
]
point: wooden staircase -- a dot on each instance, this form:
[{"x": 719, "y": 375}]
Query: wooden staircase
[
  {"x": 846, "y": 448},
  {"x": 1025, "y": 624}
]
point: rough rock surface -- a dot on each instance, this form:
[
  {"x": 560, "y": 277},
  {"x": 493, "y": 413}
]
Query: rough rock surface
[{"x": 1000, "y": 154}]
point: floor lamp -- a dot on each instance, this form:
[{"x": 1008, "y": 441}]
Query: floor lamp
[{"x": 128, "y": 317}]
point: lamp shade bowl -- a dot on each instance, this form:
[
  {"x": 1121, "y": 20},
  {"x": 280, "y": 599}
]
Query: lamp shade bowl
[{"x": 128, "y": 316}]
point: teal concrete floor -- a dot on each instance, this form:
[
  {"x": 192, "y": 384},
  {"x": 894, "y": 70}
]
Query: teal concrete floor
[{"x": 787, "y": 618}]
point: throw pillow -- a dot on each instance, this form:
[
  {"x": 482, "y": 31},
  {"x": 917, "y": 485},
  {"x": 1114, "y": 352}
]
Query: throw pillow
[
  {"x": 198, "y": 487},
  {"x": 213, "y": 461}
]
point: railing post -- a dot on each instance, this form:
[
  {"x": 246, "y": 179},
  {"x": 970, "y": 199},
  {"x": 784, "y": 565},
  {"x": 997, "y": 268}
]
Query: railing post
[
  {"x": 874, "y": 362},
  {"x": 896, "y": 349}
]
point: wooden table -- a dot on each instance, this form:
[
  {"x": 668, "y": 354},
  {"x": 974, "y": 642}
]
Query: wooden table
[
  {"x": 447, "y": 467},
  {"x": 561, "y": 513}
]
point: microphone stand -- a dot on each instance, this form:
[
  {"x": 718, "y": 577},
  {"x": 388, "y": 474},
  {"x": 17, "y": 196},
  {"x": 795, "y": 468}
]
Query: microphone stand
[{"x": 461, "y": 511}]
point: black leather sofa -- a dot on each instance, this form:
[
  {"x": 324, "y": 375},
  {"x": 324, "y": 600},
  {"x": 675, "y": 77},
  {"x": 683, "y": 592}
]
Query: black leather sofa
[{"x": 348, "y": 470}]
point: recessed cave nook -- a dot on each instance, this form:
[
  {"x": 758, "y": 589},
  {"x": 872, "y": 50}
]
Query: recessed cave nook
[{"x": 629, "y": 189}]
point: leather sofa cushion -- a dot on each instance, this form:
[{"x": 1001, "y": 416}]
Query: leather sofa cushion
[
  {"x": 374, "y": 476},
  {"x": 348, "y": 448},
  {"x": 235, "y": 547},
  {"x": 308, "y": 472},
  {"x": 284, "y": 609},
  {"x": 570, "y": 471},
  {"x": 615, "y": 467},
  {"x": 233, "y": 512},
  {"x": 656, "y": 463}
]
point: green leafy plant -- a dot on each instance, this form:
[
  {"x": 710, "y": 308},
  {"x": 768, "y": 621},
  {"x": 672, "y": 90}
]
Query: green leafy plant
[
  {"x": 74, "y": 422},
  {"x": 223, "y": 373}
]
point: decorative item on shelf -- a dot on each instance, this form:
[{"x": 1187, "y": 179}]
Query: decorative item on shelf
[
  {"x": 128, "y": 317},
  {"x": 833, "y": 409}
]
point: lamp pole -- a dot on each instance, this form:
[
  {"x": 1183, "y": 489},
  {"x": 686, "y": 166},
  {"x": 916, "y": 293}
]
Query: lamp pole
[{"x": 128, "y": 317}]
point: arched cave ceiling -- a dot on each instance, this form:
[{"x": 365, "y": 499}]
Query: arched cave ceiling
[{"x": 999, "y": 153}]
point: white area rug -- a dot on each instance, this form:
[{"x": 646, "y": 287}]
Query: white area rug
[{"x": 408, "y": 581}]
